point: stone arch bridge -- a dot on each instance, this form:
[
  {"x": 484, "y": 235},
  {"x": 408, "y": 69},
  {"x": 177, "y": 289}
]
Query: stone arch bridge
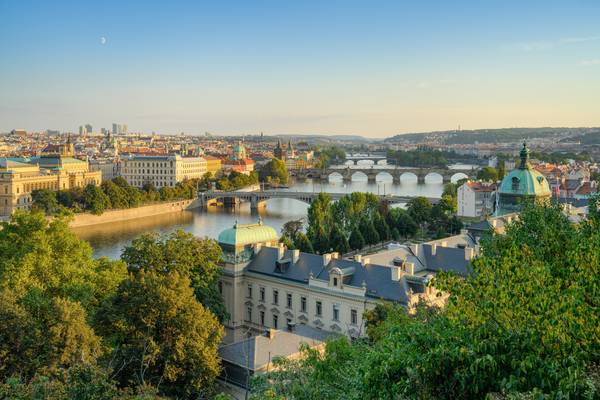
[
  {"x": 258, "y": 199},
  {"x": 421, "y": 173}
]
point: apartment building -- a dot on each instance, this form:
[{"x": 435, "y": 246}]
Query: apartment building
[
  {"x": 475, "y": 199},
  {"x": 161, "y": 171}
]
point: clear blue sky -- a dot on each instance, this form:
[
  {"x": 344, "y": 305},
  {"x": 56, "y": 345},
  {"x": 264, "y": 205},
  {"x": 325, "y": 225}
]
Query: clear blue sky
[{"x": 339, "y": 67}]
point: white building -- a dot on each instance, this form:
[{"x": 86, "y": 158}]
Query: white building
[
  {"x": 266, "y": 286},
  {"x": 475, "y": 199},
  {"x": 161, "y": 171}
]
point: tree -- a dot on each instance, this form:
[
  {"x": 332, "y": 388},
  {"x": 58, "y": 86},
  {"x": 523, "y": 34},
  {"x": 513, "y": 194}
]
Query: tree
[
  {"x": 320, "y": 222},
  {"x": 117, "y": 195},
  {"x": 383, "y": 230},
  {"x": 487, "y": 174},
  {"x": 41, "y": 334},
  {"x": 369, "y": 233},
  {"x": 182, "y": 252},
  {"x": 45, "y": 200},
  {"x": 419, "y": 209},
  {"x": 338, "y": 241},
  {"x": 292, "y": 228},
  {"x": 163, "y": 337},
  {"x": 356, "y": 240},
  {"x": 303, "y": 244},
  {"x": 95, "y": 200},
  {"x": 274, "y": 171}
]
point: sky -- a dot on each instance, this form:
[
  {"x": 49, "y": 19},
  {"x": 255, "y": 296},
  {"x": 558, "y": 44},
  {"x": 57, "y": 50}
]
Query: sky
[{"x": 367, "y": 68}]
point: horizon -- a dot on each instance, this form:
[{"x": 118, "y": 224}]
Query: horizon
[{"x": 344, "y": 68}]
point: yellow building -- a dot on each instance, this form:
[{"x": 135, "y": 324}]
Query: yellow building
[
  {"x": 213, "y": 165},
  {"x": 19, "y": 177}
]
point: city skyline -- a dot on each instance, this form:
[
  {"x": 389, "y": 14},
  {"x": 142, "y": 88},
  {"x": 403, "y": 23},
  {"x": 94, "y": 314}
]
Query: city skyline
[{"x": 374, "y": 70}]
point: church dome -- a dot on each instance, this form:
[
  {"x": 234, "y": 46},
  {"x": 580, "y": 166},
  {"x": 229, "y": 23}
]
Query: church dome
[
  {"x": 525, "y": 181},
  {"x": 245, "y": 234}
]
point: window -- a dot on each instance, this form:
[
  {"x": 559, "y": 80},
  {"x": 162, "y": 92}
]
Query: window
[
  {"x": 250, "y": 290},
  {"x": 515, "y": 183},
  {"x": 319, "y": 309},
  {"x": 303, "y": 304},
  {"x": 289, "y": 300},
  {"x": 262, "y": 317},
  {"x": 220, "y": 285},
  {"x": 353, "y": 317},
  {"x": 336, "y": 312},
  {"x": 275, "y": 296},
  {"x": 249, "y": 314},
  {"x": 334, "y": 281},
  {"x": 262, "y": 294},
  {"x": 275, "y": 320}
]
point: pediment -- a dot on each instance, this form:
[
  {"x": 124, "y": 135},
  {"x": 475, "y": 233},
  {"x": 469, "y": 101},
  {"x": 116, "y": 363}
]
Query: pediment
[
  {"x": 261, "y": 307},
  {"x": 275, "y": 311},
  {"x": 288, "y": 314}
]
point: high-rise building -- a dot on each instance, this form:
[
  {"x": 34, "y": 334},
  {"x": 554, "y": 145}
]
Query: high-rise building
[
  {"x": 124, "y": 129},
  {"x": 115, "y": 129},
  {"x": 88, "y": 128}
]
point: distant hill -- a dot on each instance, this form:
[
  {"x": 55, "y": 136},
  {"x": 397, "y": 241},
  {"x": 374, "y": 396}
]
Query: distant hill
[
  {"x": 503, "y": 135},
  {"x": 587, "y": 138}
]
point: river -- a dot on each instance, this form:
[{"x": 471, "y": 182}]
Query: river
[{"x": 110, "y": 239}]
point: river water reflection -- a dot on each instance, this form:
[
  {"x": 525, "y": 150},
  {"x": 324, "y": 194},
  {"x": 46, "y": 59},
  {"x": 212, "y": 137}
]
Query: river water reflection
[{"x": 110, "y": 239}]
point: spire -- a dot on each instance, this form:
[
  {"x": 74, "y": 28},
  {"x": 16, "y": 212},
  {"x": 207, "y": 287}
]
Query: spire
[{"x": 524, "y": 157}]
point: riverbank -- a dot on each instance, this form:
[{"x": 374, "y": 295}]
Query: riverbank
[{"x": 85, "y": 219}]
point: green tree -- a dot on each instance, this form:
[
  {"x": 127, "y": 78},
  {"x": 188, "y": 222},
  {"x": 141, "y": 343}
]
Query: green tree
[
  {"x": 419, "y": 209},
  {"x": 274, "y": 172},
  {"x": 95, "y": 200},
  {"x": 45, "y": 200},
  {"x": 338, "y": 241},
  {"x": 163, "y": 336},
  {"x": 320, "y": 222},
  {"x": 40, "y": 334},
  {"x": 368, "y": 232},
  {"x": 356, "y": 240},
  {"x": 303, "y": 244},
  {"x": 182, "y": 252},
  {"x": 292, "y": 228},
  {"x": 487, "y": 174},
  {"x": 116, "y": 194}
]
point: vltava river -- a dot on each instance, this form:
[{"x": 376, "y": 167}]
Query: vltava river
[{"x": 110, "y": 239}]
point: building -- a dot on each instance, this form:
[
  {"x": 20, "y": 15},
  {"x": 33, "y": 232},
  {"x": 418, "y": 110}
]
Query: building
[
  {"x": 213, "y": 165},
  {"x": 161, "y": 171},
  {"x": 55, "y": 169},
  {"x": 522, "y": 186},
  {"x": 278, "y": 151},
  {"x": 239, "y": 161},
  {"x": 264, "y": 285},
  {"x": 475, "y": 199},
  {"x": 109, "y": 168}
]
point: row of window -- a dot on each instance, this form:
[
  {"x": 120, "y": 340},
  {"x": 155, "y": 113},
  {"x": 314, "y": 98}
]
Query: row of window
[
  {"x": 336, "y": 315},
  {"x": 303, "y": 304}
]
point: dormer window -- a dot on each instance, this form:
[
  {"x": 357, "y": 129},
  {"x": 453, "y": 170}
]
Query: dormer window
[
  {"x": 335, "y": 281},
  {"x": 515, "y": 183}
]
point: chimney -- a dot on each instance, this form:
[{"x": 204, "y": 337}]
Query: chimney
[
  {"x": 366, "y": 260},
  {"x": 295, "y": 255},
  {"x": 271, "y": 333},
  {"x": 469, "y": 253},
  {"x": 358, "y": 258},
  {"x": 281, "y": 251},
  {"x": 410, "y": 268},
  {"x": 326, "y": 259},
  {"x": 444, "y": 244},
  {"x": 257, "y": 248},
  {"x": 396, "y": 273},
  {"x": 494, "y": 222},
  {"x": 415, "y": 249},
  {"x": 433, "y": 248},
  {"x": 335, "y": 255}
]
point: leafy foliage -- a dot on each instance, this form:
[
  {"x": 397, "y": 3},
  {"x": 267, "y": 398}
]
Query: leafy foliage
[{"x": 274, "y": 172}]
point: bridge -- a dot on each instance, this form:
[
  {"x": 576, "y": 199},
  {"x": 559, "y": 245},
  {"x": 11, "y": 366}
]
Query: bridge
[
  {"x": 258, "y": 199},
  {"x": 375, "y": 157},
  {"x": 371, "y": 173}
]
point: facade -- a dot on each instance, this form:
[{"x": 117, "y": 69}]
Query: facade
[
  {"x": 213, "y": 165},
  {"x": 20, "y": 177},
  {"x": 161, "y": 171},
  {"x": 108, "y": 168},
  {"x": 266, "y": 286},
  {"x": 475, "y": 199},
  {"x": 522, "y": 186}
]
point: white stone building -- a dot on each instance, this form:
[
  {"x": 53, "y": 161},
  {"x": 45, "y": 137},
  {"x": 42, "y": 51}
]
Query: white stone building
[
  {"x": 475, "y": 199},
  {"x": 266, "y": 286},
  {"x": 161, "y": 171}
]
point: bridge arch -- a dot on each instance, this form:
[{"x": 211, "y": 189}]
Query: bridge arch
[
  {"x": 434, "y": 177},
  {"x": 384, "y": 176},
  {"x": 408, "y": 177},
  {"x": 335, "y": 176},
  {"x": 359, "y": 176}
]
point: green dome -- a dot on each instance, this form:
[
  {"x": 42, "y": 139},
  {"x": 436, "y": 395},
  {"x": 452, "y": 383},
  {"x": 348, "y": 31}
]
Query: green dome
[
  {"x": 525, "y": 181},
  {"x": 244, "y": 234}
]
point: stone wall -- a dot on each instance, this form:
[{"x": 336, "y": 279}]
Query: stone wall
[{"x": 85, "y": 219}]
